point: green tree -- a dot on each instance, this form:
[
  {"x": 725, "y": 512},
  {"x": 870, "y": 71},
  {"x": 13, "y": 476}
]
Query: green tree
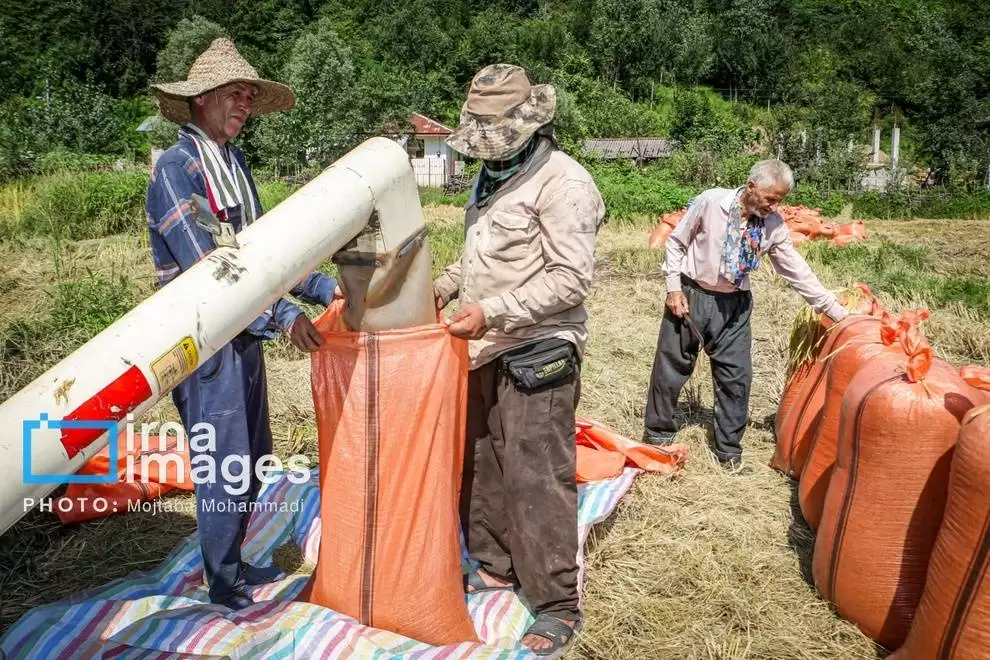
[
  {"x": 325, "y": 121},
  {"x": 184, "y": 44}
]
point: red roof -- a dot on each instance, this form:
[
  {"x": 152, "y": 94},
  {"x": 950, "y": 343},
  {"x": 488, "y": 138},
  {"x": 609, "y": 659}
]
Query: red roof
[{"x": 426, "y": 126}]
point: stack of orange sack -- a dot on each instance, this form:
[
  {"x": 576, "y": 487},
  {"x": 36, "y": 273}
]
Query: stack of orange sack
[
  {"x": 165, "y": 469},
  {"x": 806, "y": 224},
  {"x": 890, "y": 446}
]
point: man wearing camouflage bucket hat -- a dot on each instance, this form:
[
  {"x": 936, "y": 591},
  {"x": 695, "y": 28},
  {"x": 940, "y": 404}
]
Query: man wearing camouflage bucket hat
[
  {"x": 229, "y": 391},
  {"x": 531, "y": 230}
]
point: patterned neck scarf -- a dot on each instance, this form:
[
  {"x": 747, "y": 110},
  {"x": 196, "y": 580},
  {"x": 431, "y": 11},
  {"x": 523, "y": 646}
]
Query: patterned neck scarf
[
  {"x": 494, "y": 173},
  {"x": 226, "y": 183},
  {"x": 743, "y": 245}
]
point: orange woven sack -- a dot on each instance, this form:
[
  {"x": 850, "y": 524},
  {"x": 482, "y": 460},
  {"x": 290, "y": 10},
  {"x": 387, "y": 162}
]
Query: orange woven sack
[
  {"x": 844, "y": 240},
  {"x": 953, "y": 618},
  {"x": 828, "y": 230},
  {"x": 659, "y": 235},
  {"x": 668, "y": 223},
  {"x": 604, "y": 454},
  {"x": 390, "y": 414},
  {"x": 810, "y": 226},
  {"x": 800, "y": 405},
  {"x": 797, "y": 238},
  {"x": 673, "y": 219},
  {"x": 886, "y": 498},
  {"x": 598, "y": 464},
  {"x": 857, "y": 229},
  {"x": 842, "y": 366},
  {"x": 137, "y": 480}
]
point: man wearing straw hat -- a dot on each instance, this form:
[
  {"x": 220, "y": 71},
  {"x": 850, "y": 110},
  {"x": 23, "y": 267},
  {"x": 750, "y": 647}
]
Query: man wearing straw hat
[
  {"x": 229, "y": 391},
  {"x": 526, "y": 269}
]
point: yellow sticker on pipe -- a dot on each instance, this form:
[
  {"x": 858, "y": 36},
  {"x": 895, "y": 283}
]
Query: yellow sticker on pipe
[{"x": 178, "y": 362}]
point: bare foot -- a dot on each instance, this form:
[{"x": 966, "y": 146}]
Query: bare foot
[
  {"x": 489, "y": 581},
  {"x": 537, "y": 642}
]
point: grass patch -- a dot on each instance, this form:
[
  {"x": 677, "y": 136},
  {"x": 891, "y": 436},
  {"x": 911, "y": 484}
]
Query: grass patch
[
  {"x": 74, "y": 312},
  {"x": 922, "y": 204},
  {"x": 629, "y": 262},
  {"x": 74, "y": 205},
  {"x": 436, "y": 196},
  {"x": 446, "y": 245},
  {"x": 903, "y": 272},
  {"x": 273, "y": 193},
  {"x": 636, "y": 196}
]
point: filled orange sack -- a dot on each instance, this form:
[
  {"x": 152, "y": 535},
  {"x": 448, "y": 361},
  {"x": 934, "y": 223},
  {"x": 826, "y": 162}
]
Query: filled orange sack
[
  {"x": 886, "y": 497},
  {"x": 659, "y": 235},
  {"x": 828, "y": 230},
  {"x": 844, "y": 240},
  {"x": 809, "y": 229},
  {"x": 390, "y": 413},
  {"x": 166, "y": 469},
  {"x": 668, "y": 222},
  {"x": 674, "y": 218},
  {"x": 843, "y": 365},
  {"x": 782, "y": 451},
  {"x": 857, "y": 228},
  {"x": 810, "y": 226},
  {"x": 797, "y": 238},
  {"x": 603, "y": 453},
  {"x": 797, "y": 212},
  {"x": 953, "y": 618},
  {"x": 800, "y": 405}
]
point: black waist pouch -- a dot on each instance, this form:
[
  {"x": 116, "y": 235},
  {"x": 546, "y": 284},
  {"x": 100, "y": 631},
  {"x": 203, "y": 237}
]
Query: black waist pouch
[{"x": 537, "y": 365}]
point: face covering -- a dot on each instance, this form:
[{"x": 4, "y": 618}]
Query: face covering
[{"x": 496, "y": 172}]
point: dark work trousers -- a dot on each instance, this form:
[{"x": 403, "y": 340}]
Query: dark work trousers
[
  {"x": 229, "y": 391},
  {"x": 723, "y": 321},
  {"x": 519, "y": 498}
]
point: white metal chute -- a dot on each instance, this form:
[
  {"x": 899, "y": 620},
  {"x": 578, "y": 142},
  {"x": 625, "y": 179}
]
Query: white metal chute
[{"x": 137, "y": 360}]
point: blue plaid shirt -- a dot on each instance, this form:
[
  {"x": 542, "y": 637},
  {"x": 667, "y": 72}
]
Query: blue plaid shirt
[{"x": 177, "y": 242}]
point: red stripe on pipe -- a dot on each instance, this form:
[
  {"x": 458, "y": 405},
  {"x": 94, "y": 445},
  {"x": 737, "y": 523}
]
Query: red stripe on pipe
[{"x": 111, "y": 404}]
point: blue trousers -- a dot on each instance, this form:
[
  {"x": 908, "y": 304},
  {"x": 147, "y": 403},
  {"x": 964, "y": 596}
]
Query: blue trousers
[{"x": 229, "y": 391}]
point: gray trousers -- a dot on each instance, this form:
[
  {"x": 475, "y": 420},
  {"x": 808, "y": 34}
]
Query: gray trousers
[{"x": 723, "y": 322}]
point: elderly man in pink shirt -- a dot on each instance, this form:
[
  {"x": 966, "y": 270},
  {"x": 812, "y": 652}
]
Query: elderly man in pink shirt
[{"x": 721, "y": 240}]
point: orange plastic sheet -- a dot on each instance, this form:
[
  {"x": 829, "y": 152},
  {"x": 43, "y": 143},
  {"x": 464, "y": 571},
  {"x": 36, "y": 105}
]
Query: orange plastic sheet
[
  {"x": 137, "y": 480},
  {"x": 604, "y": 454}
]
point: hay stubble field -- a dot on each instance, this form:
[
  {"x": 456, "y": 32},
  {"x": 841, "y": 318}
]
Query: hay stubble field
[{"x": 701, "y": 564}]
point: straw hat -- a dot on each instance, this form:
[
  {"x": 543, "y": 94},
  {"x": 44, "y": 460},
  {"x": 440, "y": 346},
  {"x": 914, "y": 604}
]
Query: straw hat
[
  {"x": 501, "y": 113},
  {"x": 220, "y": 65}
]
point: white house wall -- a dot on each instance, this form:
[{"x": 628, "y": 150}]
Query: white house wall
[{"x": 438, "y": 164}]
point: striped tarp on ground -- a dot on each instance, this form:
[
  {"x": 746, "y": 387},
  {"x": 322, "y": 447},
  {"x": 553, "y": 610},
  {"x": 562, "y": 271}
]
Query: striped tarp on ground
[{"x": 164, "y": 613}]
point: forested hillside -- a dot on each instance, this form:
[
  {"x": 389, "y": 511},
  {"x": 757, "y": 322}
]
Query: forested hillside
[{"x": 799, "y": 78}]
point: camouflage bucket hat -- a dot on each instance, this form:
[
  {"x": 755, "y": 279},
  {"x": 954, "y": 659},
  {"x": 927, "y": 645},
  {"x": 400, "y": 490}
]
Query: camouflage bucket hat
[{"x": 501, "y": 113}]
